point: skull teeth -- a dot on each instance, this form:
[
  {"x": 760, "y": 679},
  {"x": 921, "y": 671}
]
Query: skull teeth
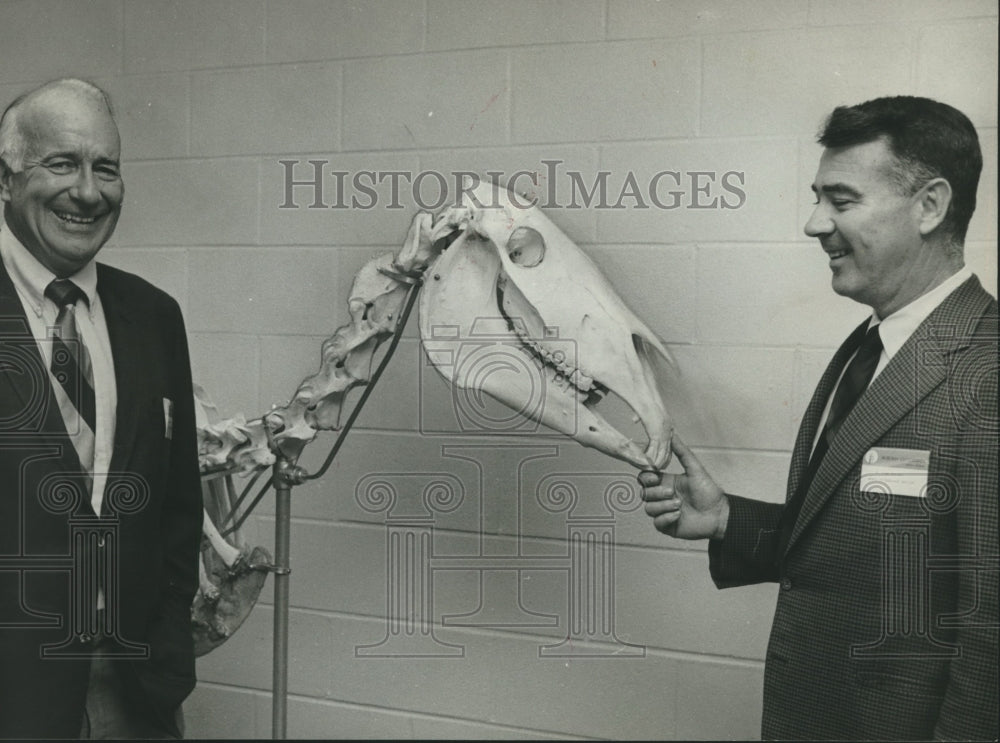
[{"x": 557, "y": 360}]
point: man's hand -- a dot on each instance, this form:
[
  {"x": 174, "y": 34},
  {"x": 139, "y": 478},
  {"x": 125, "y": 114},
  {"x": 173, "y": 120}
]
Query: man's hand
[{"x": 688, "y": 506}]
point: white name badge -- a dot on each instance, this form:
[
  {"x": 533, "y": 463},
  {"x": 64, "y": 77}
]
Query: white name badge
[{"x": 895, "y": 471}]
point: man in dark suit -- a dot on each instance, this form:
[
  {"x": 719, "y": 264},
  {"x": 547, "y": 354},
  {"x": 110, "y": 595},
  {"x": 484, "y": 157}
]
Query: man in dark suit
[
  {"x": 100, "y": 506},
  {"x": 885, "y": 549}
]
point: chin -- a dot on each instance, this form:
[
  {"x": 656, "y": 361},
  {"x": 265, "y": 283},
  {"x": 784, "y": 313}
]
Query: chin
[{"x": 849, "y": 292}]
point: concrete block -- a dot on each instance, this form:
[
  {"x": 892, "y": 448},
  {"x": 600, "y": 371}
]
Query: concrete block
[
  {"x": 152, "y": 113},
  {"x": 459, "y": 24},
  {"x": 393, "y": 406},
  {"x": 984, "y": 222},
  {"x": 650, "y": 80},
  {"x": 982, "y": 259},
  {"x": 359, "y": 208},
  {"x": 656, "y": 282},
  {"x": 435, "y": 100},
  {"x": 719, "y": 700},
  {"x": 629, "y": 19},
  {"x": 228, "y": 368},
  {"x": 321, "y": 29},
  {"x": 768, "y": 295},
  {"x": 245, "y": 658},
  {"x": 787, "y": 82},
  {"x": 733, "y": 396},
  {"x": 666, "y": 600},
  {"x": 957, "y": 64},
  {"x": 190, "y": 202},
  {"x": 263, "y": 290},
  {"x": 500, "y": 679},
  {"x": 223, "y": 712},
  {"x": 283, "y": 108},
  {"x": 319, "y": 719},
  {"x": 440, "y": 728},
  {"x": 859, "y": 12},
  {"x": 285, "y": 360},
  {"x": 47, "y": 39},
  {"x": 697, "y": 191},
  {"x": 190, "y": 34}
]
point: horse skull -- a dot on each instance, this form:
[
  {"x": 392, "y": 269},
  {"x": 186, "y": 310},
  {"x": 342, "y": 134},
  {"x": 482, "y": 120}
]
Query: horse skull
[{"x": 511, "y": 262}]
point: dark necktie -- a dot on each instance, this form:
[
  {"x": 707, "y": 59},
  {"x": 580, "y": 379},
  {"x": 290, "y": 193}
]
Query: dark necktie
[
  {"x": 71, "y": 366},
  {"x": 852, "y": 385}
]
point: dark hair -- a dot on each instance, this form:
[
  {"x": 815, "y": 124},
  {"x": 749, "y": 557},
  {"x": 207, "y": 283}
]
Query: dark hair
[{"x": 928, "y": 139}]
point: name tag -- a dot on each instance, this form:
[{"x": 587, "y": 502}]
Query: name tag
[
  {"x": 168, "y": 418},
  {"x": 895, "y": 471}
]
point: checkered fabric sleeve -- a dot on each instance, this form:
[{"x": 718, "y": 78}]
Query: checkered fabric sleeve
[{"x": 748, "y": 552}]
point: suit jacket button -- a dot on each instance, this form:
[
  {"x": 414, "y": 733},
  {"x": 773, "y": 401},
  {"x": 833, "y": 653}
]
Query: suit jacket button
[{"x": 786, "y": 584}]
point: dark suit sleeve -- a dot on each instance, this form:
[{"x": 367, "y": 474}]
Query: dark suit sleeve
[
  {"x": 747, "y": 554},
  {"x": 170, "y": 637},
  {"x": 183, "y": 510},
  {"x": 969, "y": 710}
]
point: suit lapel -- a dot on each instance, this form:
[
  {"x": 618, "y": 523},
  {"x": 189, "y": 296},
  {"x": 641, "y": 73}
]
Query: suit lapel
[
  {"x": 920, "y": 365},
  {"x": 814, "y": 411},
  {"x": 123, "y": 333},
  {"x": 24, "y": 370}
]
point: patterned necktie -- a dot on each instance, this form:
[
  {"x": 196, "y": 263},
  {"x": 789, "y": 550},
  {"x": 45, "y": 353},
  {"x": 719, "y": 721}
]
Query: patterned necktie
[
  {"x": 852, "y": 385},
  {"x": 71, "y": 366}
]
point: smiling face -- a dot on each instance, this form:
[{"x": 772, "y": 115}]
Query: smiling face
[
  {"x": 64, "y": 202},
  {"x": 871, "y": 229}
]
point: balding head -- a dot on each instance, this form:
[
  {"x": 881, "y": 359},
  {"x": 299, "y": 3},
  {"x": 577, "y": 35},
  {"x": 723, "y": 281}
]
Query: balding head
[{"x": 29, "y": 111}]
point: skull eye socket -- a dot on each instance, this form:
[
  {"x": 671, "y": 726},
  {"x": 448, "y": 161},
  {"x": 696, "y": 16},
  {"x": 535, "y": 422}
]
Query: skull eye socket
[{"x": 526, "y": 247}]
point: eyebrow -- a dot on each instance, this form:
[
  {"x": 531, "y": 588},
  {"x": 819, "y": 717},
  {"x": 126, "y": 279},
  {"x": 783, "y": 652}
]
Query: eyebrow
[
  {"x": 71, "y": 155},
  {"x": 837, "y": 189}
]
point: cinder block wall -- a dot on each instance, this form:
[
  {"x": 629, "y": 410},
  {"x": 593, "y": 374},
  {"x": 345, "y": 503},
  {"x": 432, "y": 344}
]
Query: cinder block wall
[{"x": 212, "y": 95}]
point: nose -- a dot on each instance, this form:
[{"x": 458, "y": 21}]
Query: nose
[
  {"x": 819, "y": 222},
  {"x": 86, "y": 190}
]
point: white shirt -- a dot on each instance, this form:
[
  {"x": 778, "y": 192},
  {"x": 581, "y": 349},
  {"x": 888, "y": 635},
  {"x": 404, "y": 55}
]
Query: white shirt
[
  {"x": 897, "y": 328},
  {"x": 30, "y": 278}
]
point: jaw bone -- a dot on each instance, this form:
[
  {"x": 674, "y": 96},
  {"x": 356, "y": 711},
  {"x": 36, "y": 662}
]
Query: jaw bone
[{"x": 559, "y": 310}]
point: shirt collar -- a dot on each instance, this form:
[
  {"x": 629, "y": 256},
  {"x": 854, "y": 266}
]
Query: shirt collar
[
  {"x": 31, "y": 277},
  {"x": 897, "y": 328}
]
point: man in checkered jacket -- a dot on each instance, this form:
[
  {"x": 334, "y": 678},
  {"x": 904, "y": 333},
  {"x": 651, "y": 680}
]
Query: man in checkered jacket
[{"x": 885, "y": 550}]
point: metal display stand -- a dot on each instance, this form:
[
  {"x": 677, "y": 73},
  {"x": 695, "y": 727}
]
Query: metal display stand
[{"x": 285, "y": 474}]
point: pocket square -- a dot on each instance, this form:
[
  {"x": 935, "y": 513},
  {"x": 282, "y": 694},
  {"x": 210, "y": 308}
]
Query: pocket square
[{"x": 168, "y": 418}]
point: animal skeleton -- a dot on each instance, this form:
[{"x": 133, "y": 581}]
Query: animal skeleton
[{"x": 489, "y": 257}]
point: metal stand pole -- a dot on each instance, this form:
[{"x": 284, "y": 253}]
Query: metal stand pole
[{"x": 285, "y": 475}]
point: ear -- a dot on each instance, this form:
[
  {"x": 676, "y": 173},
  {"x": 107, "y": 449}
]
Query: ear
[
  {"x": 5, "y": 175},
  {"x": 933, "y": 201}
]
